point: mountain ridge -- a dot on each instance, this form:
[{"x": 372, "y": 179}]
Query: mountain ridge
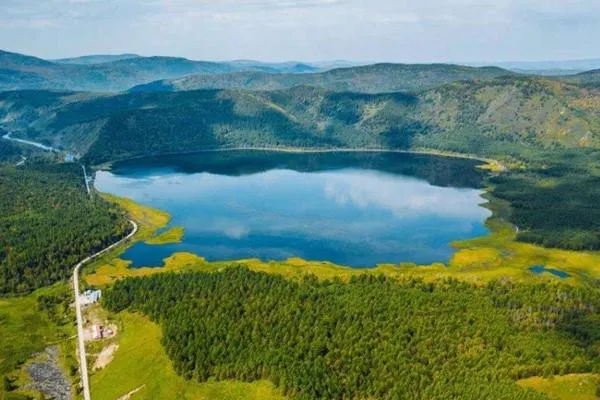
[{"x": 374, "y": 78}]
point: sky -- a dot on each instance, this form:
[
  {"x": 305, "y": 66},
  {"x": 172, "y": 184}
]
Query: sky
[{"x": 306, "y": 30}]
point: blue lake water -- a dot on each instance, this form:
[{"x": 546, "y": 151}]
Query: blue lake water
[
  {"x": 357, "y": 210},
  {"x": 538, "y": 269}
]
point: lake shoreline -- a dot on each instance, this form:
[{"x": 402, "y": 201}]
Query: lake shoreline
[
  {"x": 394, "y": 200},
  {"x": 493, "y": 164}
]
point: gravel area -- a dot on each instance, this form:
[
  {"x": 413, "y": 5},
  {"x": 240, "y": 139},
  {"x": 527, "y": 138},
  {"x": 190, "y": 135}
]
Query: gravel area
[{"x": 48, "y": 378}]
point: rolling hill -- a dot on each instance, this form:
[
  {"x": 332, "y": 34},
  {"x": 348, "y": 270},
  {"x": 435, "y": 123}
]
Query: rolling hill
[
  {"x": 19, "y": 72},
  {"x": 588, "y": 79},
  {"x": 503, "y": 116},
  {"x": 95, "y": 59},
  {"x": 376, "y": 78},
  {"x": 550, "y": 126},
  {"x": 106, "y": 73},
  {"x": 110, "y": 73}
]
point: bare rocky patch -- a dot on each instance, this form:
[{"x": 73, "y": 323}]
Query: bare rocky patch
[{"x": 47, "y": 376}]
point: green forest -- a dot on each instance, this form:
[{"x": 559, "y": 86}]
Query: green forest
[
  {"x": 8, "y": 151},
  {"x": 554, "y": 200},
  {"x": 48, "y": 224},
  {"x": 371, "y": 337}
]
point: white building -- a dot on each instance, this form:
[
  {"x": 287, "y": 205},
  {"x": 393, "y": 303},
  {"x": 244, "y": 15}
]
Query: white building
[{"x": 90, "y": 297}]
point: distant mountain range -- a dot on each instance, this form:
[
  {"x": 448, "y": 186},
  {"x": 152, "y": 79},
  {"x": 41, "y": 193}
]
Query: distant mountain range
[
  {"x": 121, "y": 72},
  {"x": 376, "y": 78},
  {"x": 95, "y": 59},
  {"x": 547, "y": 68},
  {"x": 110, "y": 73}
]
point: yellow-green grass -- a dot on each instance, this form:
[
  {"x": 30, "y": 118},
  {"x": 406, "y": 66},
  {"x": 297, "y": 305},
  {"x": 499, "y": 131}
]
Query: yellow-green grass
[
  {"x": 478, "y": 260},
  {"x": 149, "y": 219},
  {"x": 140, "y": 362},
  {"x": 566, "y": 387},
  {"x": 173, "y": 235},
  {"x": 24, "y": 331}
]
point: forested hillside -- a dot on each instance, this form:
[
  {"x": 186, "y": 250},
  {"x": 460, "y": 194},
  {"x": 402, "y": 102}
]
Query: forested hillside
[
  {"x": 588, "y": 79},
  {"x": 378, "y": 78},
  {"x": 369, "y": 338},
  {"x": 9, "y": 152},
  {"x": 505, "y": 116},
  {"x": 48, "y": 224}
]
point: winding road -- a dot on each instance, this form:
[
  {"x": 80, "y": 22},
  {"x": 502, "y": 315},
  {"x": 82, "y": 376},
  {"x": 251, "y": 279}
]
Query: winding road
[
  {"x": 81, "y": 343},
  {"x": 80, "y": 339},
  {"x": 34, "y": 144}
]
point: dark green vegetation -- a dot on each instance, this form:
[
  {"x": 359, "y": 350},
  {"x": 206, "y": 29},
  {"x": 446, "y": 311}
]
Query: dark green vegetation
[
  {"x": 9, "y": 152},
  {"x": 588, "y": 79},
  {"x": 378, "y": 78},
  {"x": 369, "y": 338},
  {"x": 48, "y": 224},
  {"x": 554, "y": 202},
  {"x": 121, "y": 72}
]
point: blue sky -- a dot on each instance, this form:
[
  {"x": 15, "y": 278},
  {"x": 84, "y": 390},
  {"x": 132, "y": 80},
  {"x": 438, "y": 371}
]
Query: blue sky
[{"x": 310, "y": 30}]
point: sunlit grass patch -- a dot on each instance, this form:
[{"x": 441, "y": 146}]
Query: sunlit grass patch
[
  {"x": 567, "y": 387},
  {"x": 173, "y": 235},
  {"x": 148, "y": 219}
]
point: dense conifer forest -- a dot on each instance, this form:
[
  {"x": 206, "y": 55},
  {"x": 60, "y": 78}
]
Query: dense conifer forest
[
  {"x": 554, "y": 201},
  {"x": 8, "y": 151},
  {"x": 371, "y": 337},
  {"x": 48, "y": 224}
]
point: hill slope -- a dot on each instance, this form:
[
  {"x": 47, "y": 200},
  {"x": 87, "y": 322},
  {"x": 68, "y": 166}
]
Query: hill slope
[
  {"x": 377, "y": 78},
  {"x": 499, "y": 117},
  {"x": 95, "y": 59},
  {"x": 588, "y": 79}
]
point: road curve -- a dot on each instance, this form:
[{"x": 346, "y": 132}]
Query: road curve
[
  {"x": 81, "y": 344},
  {"x": 29, "y": 142}
]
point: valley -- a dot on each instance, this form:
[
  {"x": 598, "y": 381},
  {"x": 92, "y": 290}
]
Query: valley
[{"x": 439, "y": 221}]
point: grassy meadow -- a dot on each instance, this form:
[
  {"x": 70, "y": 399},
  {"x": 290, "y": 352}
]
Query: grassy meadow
[
  {"x": 141, "y": 363},
  {"x": 26, "y": 330},
  {"x": 567, "y": 387},
  {"x": 173, "y": 235}
]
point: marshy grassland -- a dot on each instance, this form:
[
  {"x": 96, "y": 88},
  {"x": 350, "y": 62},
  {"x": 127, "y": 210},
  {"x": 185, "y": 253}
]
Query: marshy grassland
[
  {"x": 172, "y": 235},
  {"x": 495, "y": 256}
]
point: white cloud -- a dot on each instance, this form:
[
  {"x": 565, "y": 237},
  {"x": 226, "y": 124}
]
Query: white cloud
[{"x": 384, "y": 30}]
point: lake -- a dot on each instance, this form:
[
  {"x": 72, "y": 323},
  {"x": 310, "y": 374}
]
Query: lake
[{"x": 354, "y": 209}]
